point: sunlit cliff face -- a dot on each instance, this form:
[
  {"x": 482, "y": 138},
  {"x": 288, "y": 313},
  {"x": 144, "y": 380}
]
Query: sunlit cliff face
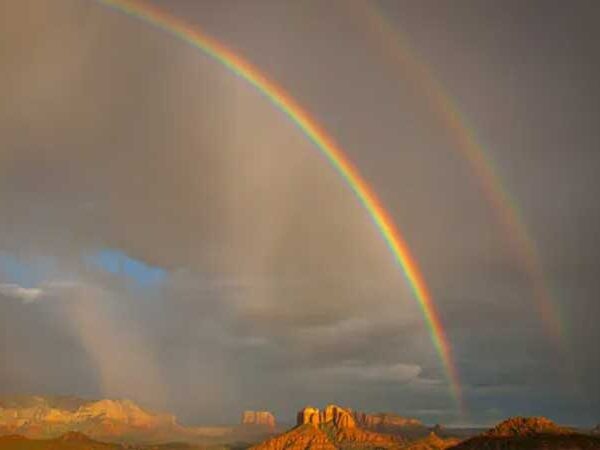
[{"x": 185, "y": 245}]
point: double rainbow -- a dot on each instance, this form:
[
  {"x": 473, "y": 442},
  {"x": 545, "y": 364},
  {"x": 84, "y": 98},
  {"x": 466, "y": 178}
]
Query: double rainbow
[{"x": 282, "y": 100}]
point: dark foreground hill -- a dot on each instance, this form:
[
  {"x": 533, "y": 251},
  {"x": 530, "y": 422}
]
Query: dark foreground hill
[
  {"x": 529, "y": 433},
  {"x": 79, "y": 441},
  {"x": 69, "y": 441}
]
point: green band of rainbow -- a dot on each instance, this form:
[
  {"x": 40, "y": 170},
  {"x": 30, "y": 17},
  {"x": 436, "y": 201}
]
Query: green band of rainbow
[{"x": 328, "y": 147}]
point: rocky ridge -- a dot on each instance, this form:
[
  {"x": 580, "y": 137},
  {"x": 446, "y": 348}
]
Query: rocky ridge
[
  {"x": 384, "y": 421},
  {"x": 526, "y": 426}
]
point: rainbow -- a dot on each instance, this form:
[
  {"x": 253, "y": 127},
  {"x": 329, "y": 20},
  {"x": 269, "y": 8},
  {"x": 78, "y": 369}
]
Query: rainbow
[
  {"x": 474, "y": 153},
  {"x": 282, "y": 100}
]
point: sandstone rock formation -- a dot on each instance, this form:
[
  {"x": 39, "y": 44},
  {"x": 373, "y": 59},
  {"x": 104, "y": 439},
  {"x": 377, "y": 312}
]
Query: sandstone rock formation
[
  {"x": 331, "y": 428},
  {"x": 341, "y": 428},
  {"x": 332, "y": 414},
  {"x": 309, "y": 415},
  {"x": 262, "y": 418}
]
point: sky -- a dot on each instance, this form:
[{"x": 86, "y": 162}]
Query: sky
[{"x": 167, "y": 235}]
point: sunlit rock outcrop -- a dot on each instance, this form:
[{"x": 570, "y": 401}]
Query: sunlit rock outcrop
[
  {"x": 261, "y": 418},
  {"x": 330, "y": 428},
  {"x": 332, "y": 414}
]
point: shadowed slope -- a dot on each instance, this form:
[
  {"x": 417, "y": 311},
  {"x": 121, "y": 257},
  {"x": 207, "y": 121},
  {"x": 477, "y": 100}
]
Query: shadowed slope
[
  {"x": 432, "y": 442},
  {"x": 529, "y": 433},
  {"x": 79, "y": 441},
  {"x": 69, "y": 441}
]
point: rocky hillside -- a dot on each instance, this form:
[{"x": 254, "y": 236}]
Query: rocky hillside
[
  {"x": 337, "y": 428},
  {"x": 526, "y": 426},
  {"x": 529, "y": 433}
]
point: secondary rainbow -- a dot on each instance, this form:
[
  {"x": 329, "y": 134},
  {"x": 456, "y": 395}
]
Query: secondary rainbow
[
  {"x": 282, "y": 100},
  {"x": 474, "y": 153}
]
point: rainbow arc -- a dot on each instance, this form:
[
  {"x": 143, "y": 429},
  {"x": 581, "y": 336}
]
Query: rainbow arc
[{"x": 327, "y": 145}]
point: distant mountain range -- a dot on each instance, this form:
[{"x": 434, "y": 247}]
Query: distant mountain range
[
  {"x": 123, "y": 421},
  {"x": 38, "y": 417}
]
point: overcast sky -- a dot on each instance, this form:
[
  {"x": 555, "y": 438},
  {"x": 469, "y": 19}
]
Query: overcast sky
[{"x": 168, "y": 235}]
